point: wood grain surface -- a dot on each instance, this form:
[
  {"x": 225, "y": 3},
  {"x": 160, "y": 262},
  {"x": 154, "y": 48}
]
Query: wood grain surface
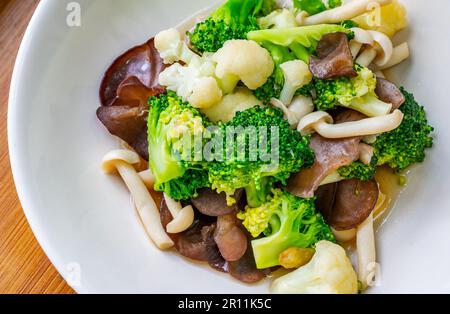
[{"x": 24, "y": 268}]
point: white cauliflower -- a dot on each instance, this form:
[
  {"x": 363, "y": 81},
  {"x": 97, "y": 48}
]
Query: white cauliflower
[
  {"x": 242, "y": 60},
  {"x": 296, "y": 75},
  {"x": 241, "y": 100},
  {"x": 172, "y": 48},
  {"x": 205, "y": 93},
  {"x": 281, "y": 18},
  {"x": 329, "y": 271}
]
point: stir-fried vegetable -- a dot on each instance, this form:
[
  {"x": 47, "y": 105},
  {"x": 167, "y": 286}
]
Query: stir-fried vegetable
[
  {"x": 356, "y": 93},
  {"x": 176, "y": 171},
  {"x": 407, "y": 144},
  {"x": 286, "y": 152},
  {"x": 329, "y": 271},
  {"x": 286, "y": 221},
  {"x": 233, "y": 20},
  {"x": 286, "y": 44}
]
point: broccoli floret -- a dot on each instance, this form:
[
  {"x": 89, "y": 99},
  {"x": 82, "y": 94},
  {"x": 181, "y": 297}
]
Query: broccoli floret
[
  {"x": 405, "y": 145},
  {"x": 233, "y": 20},
  {"x": 285, "y": 152},
  {"x": 286, "y": 221},
  {"x": 176, "y": 171},
  {"x": 356, "y": 93},
  {"x": 358, "y": 170},
  {"x": 316, "y": 6}
]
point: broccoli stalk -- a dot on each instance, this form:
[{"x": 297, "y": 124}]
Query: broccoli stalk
[
  {"x": 169, "y": 120},
  {"x": 287, "y": 221},
  {"x": 407, "y": 144},
  {"x": 356, "y": 93},
  {"x": 233, "y": 20},
  {"x": 287, "y": 150}
]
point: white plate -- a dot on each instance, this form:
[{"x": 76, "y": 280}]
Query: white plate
[{"x": 84, "y": 219}]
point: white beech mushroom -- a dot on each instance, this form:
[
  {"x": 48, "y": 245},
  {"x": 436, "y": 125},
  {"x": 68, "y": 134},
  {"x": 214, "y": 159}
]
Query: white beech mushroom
[
  {"x": 399, "y": 54},
  {"x": 347, "y": 11},
  {"x": 299, "y": 108},
  {"x": 148, "y": 178},
  {"x": 384, "y": 47},
  {"x": 366, "y": 251},
  {"x": 183, "y": 217},
  {"x": 122, "y": 161},
  {"x": 366, "y": 57},
  {"x": 322, "y": 123}
]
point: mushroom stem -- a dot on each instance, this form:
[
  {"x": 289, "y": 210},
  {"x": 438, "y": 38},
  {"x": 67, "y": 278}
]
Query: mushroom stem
[
  {"x": 145, "y": 205},
  {"x": 148, "y": 178},
  {"x": 365, "y": 245},
  {"x": 321, "y": 122},
  {"x": 366, "y": 57},
  {"x": 182, "y": 217},
  {"x": 399, "y": 54}
]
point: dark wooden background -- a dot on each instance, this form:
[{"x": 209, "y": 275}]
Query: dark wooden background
[{"x": 24, "y": 268}]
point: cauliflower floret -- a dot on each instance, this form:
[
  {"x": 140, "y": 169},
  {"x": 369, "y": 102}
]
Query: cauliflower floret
[
  {"x": 205, "y": 93},
  {"x": 281, "y": 18},
  {"x": 194, "y": 83},
  {"x": 296, "y": 75},
  {"x": 329, "y": 271},
  {"x": 241, "y": 100},
  {"x": 243, "y": 60},
  {"x": 172, "y": 48}
]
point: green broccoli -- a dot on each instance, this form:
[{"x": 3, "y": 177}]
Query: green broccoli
[
  {"x": 359, "y": 170},
  {"x": 405, "y": 145},
  {"x": 233, "y": 20},
  {"x": 285, "y": 152},
  {"x": 286, "y": 221},
  {"x": 176, "y": 171},
  {"x": 356, "y": 93},
  {"x": 316, "y": 6}
]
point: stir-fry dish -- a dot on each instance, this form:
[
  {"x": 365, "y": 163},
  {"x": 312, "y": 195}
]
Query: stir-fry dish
[{"x": 255, "y": 137}]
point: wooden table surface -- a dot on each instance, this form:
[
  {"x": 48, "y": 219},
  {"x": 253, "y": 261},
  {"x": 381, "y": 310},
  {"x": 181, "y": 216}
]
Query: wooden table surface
[{"x": 24, "y": 268}]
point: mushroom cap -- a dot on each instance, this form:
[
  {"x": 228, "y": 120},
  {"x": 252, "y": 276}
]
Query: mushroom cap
[
  {"x": 182, "y": 221},
  {"x": 110, "y": 159},
  {"x": 306, "y": 125}
]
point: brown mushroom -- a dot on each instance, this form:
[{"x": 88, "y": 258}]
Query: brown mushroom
[
  {"x": 334, "y": 58},
  {"x": 211, "y": 203},
  {"x": 142, "y": 64},
  {"x": 230, "y": 238},
  {"x": 245, "y": 268},
  {"x": 197, "y": 242},
  {"x": 331, "y": 154},
  {"x": 127, "y": 123},
  {"x": 389, "y": 93},
  {"x": 354, "y": 201}
]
